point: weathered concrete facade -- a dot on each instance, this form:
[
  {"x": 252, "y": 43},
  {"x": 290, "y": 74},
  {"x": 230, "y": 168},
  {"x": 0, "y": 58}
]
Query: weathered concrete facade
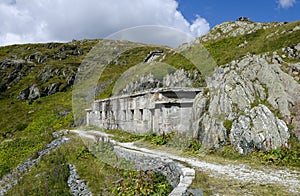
[{"x": 159, "y": 110}]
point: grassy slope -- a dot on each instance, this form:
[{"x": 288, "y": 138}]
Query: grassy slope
[
  {"x": 134, "y": 58},
  {"x": 51, "y": 174},
  {"x": 226, "y": 50},
  {"x": 25, "y": 127}
]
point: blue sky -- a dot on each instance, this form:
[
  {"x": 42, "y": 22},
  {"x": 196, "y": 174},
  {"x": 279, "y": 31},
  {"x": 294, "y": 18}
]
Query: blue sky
[
  {"x": 30, "y": 21},
  {"x": 218, "y": 11}
]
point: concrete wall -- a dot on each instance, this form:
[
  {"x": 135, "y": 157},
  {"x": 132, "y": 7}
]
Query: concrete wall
[{"x": 160, "y": 110}]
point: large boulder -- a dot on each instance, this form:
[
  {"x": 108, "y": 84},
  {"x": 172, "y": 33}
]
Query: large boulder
[
  {"x": 29, "y": 93},
  {"x": 260, "y": 130},
  {"x": 249, "y": 104}
]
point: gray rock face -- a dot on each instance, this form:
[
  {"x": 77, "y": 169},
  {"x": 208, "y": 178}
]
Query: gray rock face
[
  {"x": 23, "y": 95},
  {"x": 12, "y": 71},
  {"x": 29, "y": 93},
  {"x": 34, "y": 92},
  {"x": 245, "y": 104},
  {"x": 261, "y": 130},
  {"x": 233, "y": 29},
  {"x": 180, "y": 78},
  {"x": 52, "y": 89},
  {"x": 37, "y": 57}
]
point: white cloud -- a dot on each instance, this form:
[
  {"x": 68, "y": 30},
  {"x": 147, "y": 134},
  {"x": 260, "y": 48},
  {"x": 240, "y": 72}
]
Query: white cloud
[
  {"x": 55, "y": 20},
  {"x": 200, "y": 26},
  {"x": 286, "y": 3}
]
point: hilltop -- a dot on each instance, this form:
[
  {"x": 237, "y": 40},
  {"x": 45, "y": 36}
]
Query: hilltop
[{"x": 250, "y": 105}]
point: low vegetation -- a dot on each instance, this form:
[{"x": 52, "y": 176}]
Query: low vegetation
[
  {"x": 223, "y": 186},
  {"x": 51, "y": 174},
  {"x": 27, "y": 126},
  {"x": 224, "y": 50},
  {"x": 289, "y": 156},
  {"x": 284, "y": 156}
]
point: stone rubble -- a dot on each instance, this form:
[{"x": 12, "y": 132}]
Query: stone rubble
[
  {"x": 292, "y": 52},
  {"x": 240, "y": 172},
  {"x": 179, "y": 176},
  {"x": 77, "y": 186}
]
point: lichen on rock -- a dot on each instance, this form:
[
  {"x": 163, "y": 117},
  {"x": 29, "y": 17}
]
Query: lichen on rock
[{"x": 247, "y": 104}]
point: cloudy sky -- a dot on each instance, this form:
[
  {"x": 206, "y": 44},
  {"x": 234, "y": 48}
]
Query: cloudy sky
[{"x": 23, "y": 21}]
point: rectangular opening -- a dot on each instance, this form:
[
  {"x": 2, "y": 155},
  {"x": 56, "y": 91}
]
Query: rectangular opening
[
  {"x": 100, "y": 115},
  {"x": 131, "y": 114},
  {"x": 141, "y": 114}
]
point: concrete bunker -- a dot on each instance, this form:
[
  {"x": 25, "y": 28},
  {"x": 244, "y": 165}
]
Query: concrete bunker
[{"x": 159, "y": 110}]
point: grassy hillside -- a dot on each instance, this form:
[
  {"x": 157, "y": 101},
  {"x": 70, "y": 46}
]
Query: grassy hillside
[
  {"x": 26, "y": 124},
  {"x": 224, "y": 50}
]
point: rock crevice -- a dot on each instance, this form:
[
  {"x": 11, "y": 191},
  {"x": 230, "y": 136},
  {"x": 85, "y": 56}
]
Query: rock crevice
[{"x": 246, "y": 104}]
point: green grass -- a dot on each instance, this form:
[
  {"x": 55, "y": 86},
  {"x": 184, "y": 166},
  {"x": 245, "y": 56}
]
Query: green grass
[
  {"x": 49, "y": 177},
  {"x": 119, "y": 179},
  {"x": 123, "y": 136},
  {"x": 175, "y": 143},
  {"x": 131, "y": 69},
  {"x": 225, "y": 50},
  {"x": 113, "y": 72},
  {"x": 26, "y": 128},
  {"x": 221, "y": 185},
  {"x": 286, "y": 157}
]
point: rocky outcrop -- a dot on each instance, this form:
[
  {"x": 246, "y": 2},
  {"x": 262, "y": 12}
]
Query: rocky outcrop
[
  {"x": 233, "y": 29},
  {"x": 32, "y": 64},
  {"x": 247, "y": 104},
  {"x": 67, "y": 50},
  {"x": 260, "y": 130},
  {"x": 153, "y": 55},
  {"x": 179, "y": 78},
  {"x": 29, "y": 93},
  {"x": 46, "y": 84},
  {"x": 292, "y": 52},
  {"x": 12, "y": 71},
  {"x": 52, "y": 89},
  {"x": 37, "y": 57}
]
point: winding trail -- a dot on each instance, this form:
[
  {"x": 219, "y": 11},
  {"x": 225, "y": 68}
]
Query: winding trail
[{"x": 240, "y": 172}]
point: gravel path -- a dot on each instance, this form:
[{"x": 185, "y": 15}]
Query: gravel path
[
  {"x": 149, "y": 160},
  {"x": 240, "y": 172}
]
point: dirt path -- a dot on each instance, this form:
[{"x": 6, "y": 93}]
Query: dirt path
[{"x": 240, "y": 172}]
